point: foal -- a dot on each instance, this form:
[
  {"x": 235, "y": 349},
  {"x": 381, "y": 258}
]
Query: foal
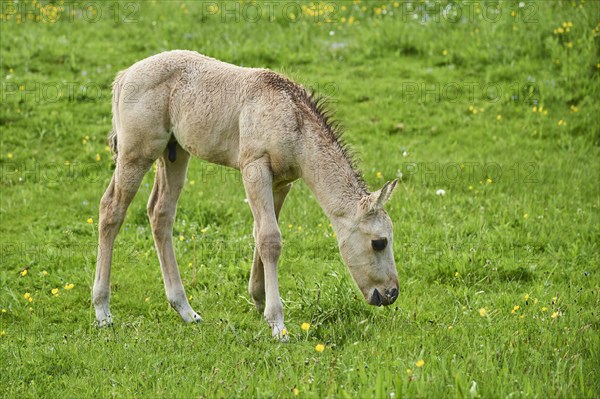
[{"x": 180, "y": 103}]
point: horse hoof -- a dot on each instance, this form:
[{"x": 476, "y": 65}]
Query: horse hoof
[
  {"x": 105, "y": 322},
  {"x": 281, "y": 333},
  {"x": 191, "y": 317}
]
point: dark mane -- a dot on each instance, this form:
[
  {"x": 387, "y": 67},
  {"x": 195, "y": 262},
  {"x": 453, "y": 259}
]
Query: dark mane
[{"x": 317, "y": 106}]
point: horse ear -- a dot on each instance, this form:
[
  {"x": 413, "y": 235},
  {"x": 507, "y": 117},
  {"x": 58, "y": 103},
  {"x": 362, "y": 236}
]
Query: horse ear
[{"x": 379, "y": 198}]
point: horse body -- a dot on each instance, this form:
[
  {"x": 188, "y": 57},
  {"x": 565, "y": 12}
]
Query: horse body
[{"x": 178, "y": 103}]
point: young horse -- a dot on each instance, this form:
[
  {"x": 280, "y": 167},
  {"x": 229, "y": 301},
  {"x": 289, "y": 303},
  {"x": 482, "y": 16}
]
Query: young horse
[{"x": 178, "y": 103}]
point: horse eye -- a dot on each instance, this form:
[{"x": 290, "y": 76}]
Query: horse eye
[{"x": 379, "y": 245}]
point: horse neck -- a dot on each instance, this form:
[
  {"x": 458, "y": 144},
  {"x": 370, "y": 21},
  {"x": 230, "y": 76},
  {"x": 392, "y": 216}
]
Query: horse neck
[{"x": 331, "y": 177}]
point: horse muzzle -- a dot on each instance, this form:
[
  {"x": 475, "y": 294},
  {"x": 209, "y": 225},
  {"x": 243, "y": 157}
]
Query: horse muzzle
[{"x": 385, "y": 299}]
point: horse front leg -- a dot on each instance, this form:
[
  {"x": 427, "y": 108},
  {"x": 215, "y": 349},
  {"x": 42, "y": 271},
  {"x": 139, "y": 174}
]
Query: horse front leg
[
  {"x": 259, "y": 190},
  {"x": 256, "y": 284}
]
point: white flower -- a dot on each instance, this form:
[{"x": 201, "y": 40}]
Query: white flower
[
  {"x": 440, "y": 192},
  {"x": 473, "y": 389}
]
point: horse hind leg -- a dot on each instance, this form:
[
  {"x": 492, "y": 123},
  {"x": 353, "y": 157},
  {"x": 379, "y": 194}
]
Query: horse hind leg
[
  {"x": 162, "y": 206},
  {"x": 122, "y": 189}
]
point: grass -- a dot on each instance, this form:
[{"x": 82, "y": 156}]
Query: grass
[{"x": 499, "y": 277}]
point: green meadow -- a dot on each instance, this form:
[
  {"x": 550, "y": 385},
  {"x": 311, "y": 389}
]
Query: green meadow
[{"x": 487, "y": 111}]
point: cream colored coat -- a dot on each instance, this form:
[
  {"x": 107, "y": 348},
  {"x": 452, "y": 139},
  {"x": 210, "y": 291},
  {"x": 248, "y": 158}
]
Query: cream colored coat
[{"x": 180, "y": 103}]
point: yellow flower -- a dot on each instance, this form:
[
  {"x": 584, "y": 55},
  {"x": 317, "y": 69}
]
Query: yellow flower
[
  {"x": 456, "y": 274},
  {"x": 420, "y": 363},
  {"x": 97, "y": 157},
  {"x": 9, "y": 155},
  {"x": 554, "y": 315},
  {"x": 534, "y": 109},
  {"x": 55, "y": 291},
  {"x": 526, "y": 297},
  {"x": 181, "y": 237},
  {"x": 90, "y": 221},
  {"x": 498, "y": 117},
  {"x": 408, "y": 371},
  {"x": 450, "y": 327},
  {"x": 284, "y": 332},
  {"x": 24, "y": 273},
  {"x": 28, "y": 297},
  {"x": 574, "y": 108},
  {"x": 562, "y": 122},
  {"x": 44, "y": 273},
  {"x": 445, "y": 53},
  {"x": 525, "y": 216},
  {"x": 379, "y": 175},
  {"x": 569, "y": 45},
  {"x": 482, "y": 312},
  {"x": 490, "y": 181},
  {"x": 69, "y": 286},
  {"x": 544, "y": 308},
  {"x": 2, "y": 333},
  {"x": 305, "y": 326},
  {"x": 3, "y": 310},
  {"x": 295, "y": 391},
  {"x": 320, "y": 348},
  {"x": 515, "y": 308}
]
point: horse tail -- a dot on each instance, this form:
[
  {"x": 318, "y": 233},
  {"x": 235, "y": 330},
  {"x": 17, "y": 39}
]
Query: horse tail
[{"x": 116, "y": 90}]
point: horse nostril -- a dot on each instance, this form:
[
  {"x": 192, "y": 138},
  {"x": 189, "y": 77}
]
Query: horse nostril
[
  {"x": 393, "y": 294},
  {"x": 375, "y": 298}
]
